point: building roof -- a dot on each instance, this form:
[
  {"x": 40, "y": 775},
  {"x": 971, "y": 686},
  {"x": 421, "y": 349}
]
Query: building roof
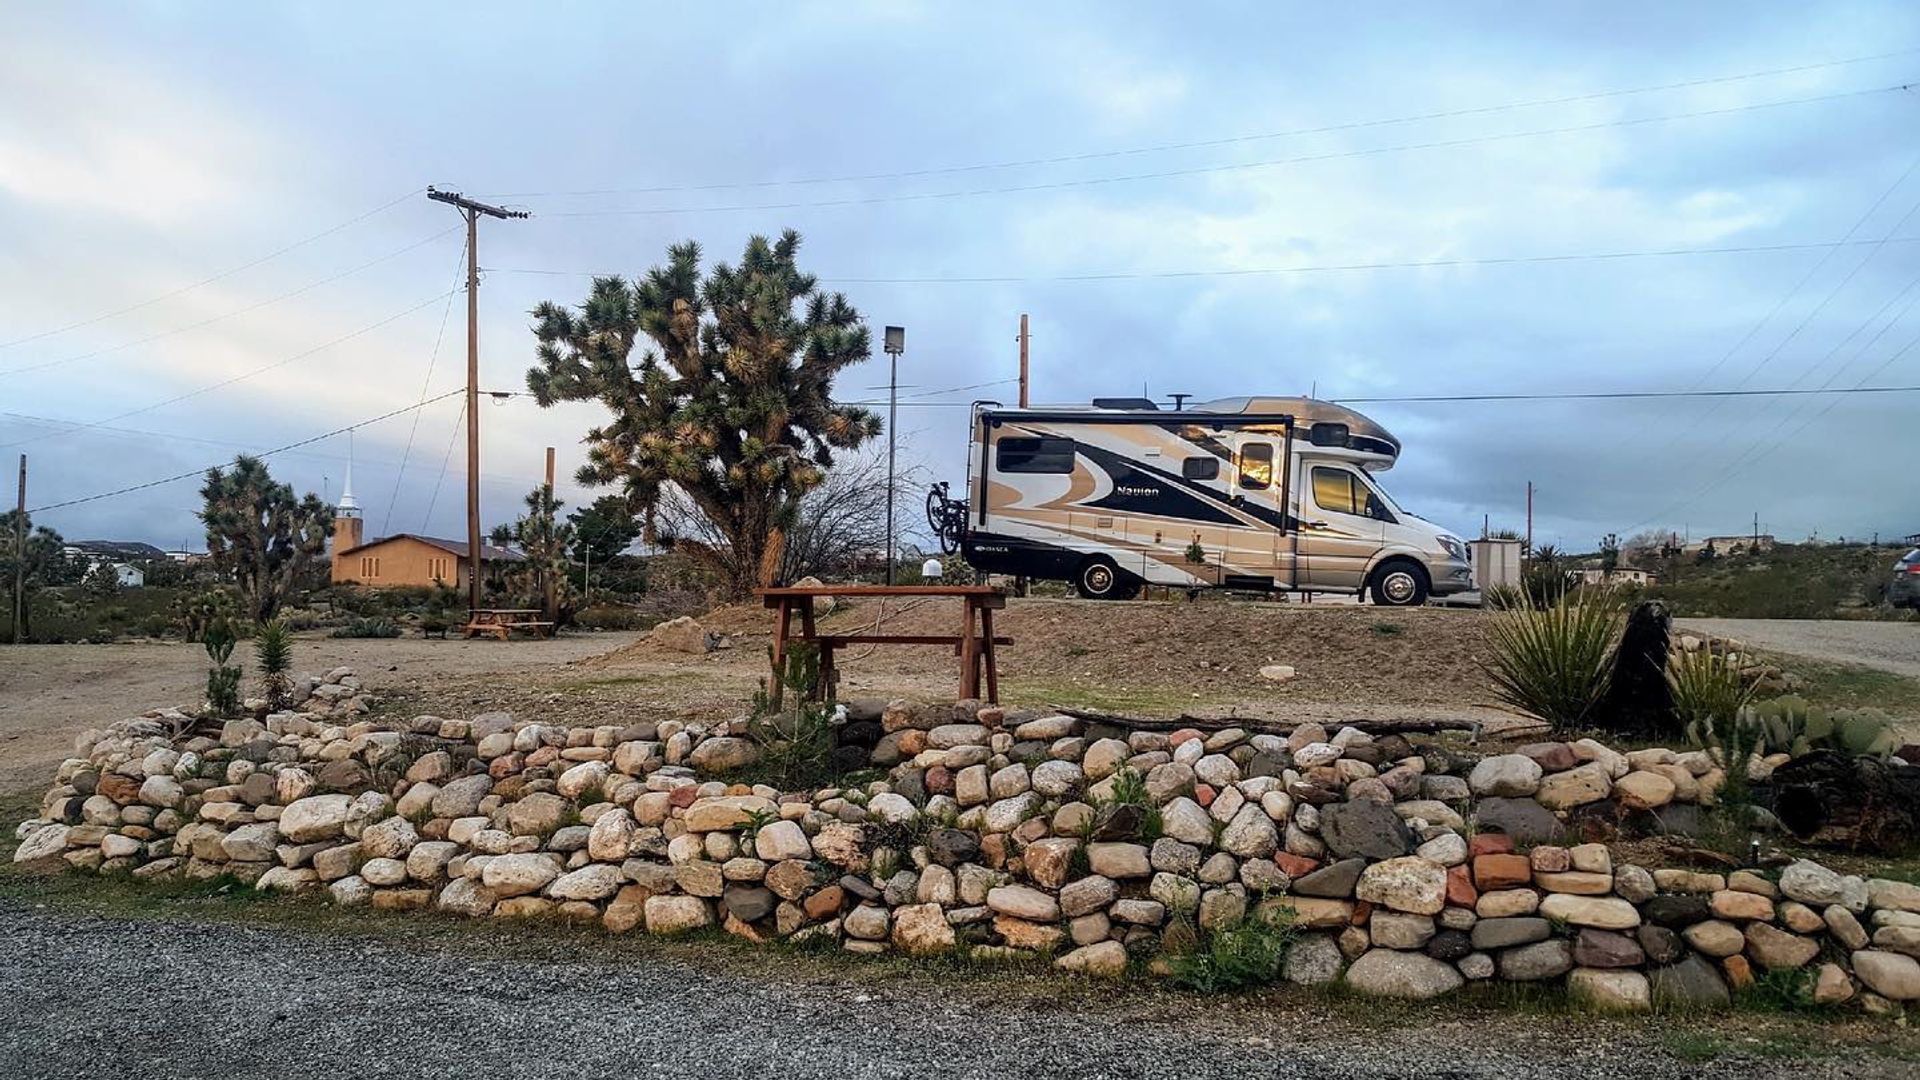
[
  {"x": 118, "y": 549},
  {"x": 488, "y": 553}
]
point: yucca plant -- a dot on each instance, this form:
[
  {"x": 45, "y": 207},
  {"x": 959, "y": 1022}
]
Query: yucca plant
[
  {"x": 273, "y": 653},
  {"x": 1555, "y": 662},
  {"x": 1707, "y": 688}
]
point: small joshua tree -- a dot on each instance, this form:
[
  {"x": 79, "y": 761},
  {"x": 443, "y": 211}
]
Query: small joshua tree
[
  {"x": 273, "y": 652},
  {"x": 223, "y": 679}
]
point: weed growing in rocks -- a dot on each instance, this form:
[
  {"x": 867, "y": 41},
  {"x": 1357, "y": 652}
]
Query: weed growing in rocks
[{"x": 1236, "y": 958}]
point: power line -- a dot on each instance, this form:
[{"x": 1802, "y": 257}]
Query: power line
[
  {"x": 269, "y": 257},
  {"x": 264, "y": 453},
  {"x": 868, "y": 200},
  {"x": 453, "y": 440},
  {"x": 1321, "y": 268},
  {"x": 433, "y": 358},
  {"x": 231, "y": 314},
  {"x": 1209, "y": 143},
  {"x": 209, "y": 388}
]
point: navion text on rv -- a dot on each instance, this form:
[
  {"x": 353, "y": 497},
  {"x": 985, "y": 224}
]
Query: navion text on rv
[{"x": 1258, "y": 493}]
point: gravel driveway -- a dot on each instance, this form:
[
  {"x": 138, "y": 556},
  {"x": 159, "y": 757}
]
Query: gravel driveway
[
  {"x": 1887, "y": 646},
  {"x": 105, "y": 995}
]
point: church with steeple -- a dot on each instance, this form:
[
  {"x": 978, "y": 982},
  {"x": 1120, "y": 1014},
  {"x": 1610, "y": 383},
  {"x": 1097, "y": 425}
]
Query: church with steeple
[{"x": 407, "y": 560}]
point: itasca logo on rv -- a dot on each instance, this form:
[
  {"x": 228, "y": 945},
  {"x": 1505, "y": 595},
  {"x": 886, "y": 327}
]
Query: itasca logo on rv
[{"x": 1138, "y": 491}]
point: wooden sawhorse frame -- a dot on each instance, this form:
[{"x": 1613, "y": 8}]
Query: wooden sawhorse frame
[{"x": 974, "y": 644}]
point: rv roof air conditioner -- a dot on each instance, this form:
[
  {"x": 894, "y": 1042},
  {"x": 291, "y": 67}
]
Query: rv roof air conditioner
[{"x": 1139, "y": 403}]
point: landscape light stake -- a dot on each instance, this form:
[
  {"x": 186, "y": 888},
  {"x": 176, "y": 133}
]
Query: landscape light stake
[
  {"x": 472, "y": 210},
  {"x": 895, "y": 343}
]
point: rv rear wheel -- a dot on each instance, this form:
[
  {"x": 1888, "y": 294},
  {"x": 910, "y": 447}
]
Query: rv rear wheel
[
  {"x": 1099, "y": 579},
  {"x": 1400, "y": 584}
]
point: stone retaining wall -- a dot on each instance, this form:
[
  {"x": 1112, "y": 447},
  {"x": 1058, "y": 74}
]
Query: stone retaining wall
[{"x": 1407, "y": 870}]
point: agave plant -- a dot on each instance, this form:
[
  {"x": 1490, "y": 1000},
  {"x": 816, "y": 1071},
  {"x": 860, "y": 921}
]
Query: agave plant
[{"x": 1555, "y": 662}]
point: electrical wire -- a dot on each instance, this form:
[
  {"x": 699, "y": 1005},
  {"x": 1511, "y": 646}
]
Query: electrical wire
[
  {"x": 211, "y": 387},
  {"x": 869, "y": 200},
  {"x": 433, "y": 358},
  {"x": 1420, "y": 264},
  {"x": 459, "y": 422},
  {"x": 1061, "y": 159},
  {"x": 264, "y": 453},
  {"x": 269, "y": 257},
  {"x": 231, "y": 314}
]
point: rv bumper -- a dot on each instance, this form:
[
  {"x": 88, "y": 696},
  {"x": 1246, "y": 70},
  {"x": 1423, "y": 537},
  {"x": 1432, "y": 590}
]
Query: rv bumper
[
  {"x": 1450, "y": 576},
  {"x": 996, "y": 554}
]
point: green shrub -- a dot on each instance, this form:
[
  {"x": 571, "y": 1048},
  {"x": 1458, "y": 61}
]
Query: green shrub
[
  {"x": 1706, "y": 686},
  {"x": 797, "y": 740},
  {"x": 1555, "y": 662},
  {"x": 1236, "y": 958},
  {"x": 375, "y": 627}
]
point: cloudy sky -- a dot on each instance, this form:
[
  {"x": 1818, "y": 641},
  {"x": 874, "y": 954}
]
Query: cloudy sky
[{"x": 214, "y": 236}]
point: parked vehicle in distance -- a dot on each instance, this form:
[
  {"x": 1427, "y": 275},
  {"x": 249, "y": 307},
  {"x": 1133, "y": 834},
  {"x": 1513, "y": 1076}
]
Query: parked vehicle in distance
[
  {"x": 1904, "y": 589},
  {"x": 1253, "y": 493}
]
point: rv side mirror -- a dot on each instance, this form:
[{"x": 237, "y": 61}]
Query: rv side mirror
[{"x": 1327, "y": 434}]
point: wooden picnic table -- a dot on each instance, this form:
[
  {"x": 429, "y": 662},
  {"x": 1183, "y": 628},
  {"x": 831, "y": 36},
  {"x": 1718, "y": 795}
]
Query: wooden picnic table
[
  {"x": 502, "y": 622},
  {"x": 973, "y": 644}
]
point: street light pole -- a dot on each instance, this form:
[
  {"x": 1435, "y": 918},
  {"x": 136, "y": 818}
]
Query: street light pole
[{"x": 895, "y": 344}]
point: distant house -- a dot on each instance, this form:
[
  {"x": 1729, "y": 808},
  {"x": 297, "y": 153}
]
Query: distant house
[
  {"x": 1728, "y": 545},
  {"x": 1624, "y": 575},
  {"x": 126, "y": 557}
]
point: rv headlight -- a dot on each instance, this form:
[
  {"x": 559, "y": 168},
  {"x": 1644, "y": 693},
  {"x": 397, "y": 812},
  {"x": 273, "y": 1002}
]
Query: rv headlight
[{"x": 1454, "y": 548}]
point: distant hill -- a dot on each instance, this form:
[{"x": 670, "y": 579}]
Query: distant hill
[{"x": 1791, "y": 581}]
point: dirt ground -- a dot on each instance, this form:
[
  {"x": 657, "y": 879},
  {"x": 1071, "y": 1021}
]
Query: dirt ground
[
  {"x": 50, "y": 693},
  {"x": 1145, "y": 658},
  {"x": 1886, "y": 646}
]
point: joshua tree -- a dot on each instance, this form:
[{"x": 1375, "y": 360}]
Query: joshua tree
[
  {"x": 259, "y": 534},
  {"x": 544, "y": 539},
  {"x": 729, "y": 402},
  {"x": 45, "y": 564}
]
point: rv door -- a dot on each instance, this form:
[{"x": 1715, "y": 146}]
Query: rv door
[{"x": 1261, "y": 550}]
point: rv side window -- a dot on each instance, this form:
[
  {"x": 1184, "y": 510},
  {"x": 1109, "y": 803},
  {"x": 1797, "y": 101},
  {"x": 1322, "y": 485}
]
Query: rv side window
[
  {"x": 1341, "y": 492},
  {"x": 1256, "y": 466},
  {"x": 1024, "y": 455},
  {"x": 1200, "y": 468}
]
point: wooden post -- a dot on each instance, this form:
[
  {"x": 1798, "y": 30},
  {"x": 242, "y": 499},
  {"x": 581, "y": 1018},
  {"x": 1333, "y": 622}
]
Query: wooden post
[
  {"x": 550, "y": 599},
  {"x": 18, "y": 630},
  {"x": 1023, "y": 359}
]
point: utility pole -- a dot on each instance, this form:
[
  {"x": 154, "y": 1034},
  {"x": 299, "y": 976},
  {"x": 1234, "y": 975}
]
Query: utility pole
[
  {"x": 1529, "y": 521},
  {"x": 1756, "y": 531},
  {"x": 472, "y": 211},
  {"x": 1023, "y": 359},
  {"x": 550, "y": 602},
  {"x": 17, "y": 630},
  {"x": 895, "y": 343}
]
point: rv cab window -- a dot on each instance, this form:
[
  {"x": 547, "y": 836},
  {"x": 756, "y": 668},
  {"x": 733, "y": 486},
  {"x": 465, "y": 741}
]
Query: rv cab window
[
  {"x": 1341, "y": 492},
  {"x": 1200, "y": 468},
  {"x": 1024, "y": 455},
  {"x": 1256, "y": 466}
]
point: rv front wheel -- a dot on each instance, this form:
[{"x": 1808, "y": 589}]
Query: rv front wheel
[
  {"x": 1099, "y": 579},
  {"x": 1400, "y": 584}
]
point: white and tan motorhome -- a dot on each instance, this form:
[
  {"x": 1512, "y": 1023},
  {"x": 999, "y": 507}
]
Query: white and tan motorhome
[{"x": 1256, "y": 493}]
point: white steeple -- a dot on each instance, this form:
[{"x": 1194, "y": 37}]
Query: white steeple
[{"x": 348, "y": 505}]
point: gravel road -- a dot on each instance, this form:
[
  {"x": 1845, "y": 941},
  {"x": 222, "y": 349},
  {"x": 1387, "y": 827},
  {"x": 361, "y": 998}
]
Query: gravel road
[
  {"x": 1888, "y": 646},
  {"x": 105, "y": 995}
]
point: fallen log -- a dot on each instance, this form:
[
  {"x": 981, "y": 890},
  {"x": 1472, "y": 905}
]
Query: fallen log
[
  {"x": 1265, "y": 726},
  {"x": 1864, "y": 803}
]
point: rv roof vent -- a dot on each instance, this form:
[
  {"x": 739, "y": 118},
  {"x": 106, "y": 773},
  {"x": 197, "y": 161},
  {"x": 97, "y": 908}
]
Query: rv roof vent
[{"x": 1124, "y": 403}]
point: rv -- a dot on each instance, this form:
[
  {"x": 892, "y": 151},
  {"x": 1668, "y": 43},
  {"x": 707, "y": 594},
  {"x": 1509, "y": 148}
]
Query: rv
[{"x": 1252, "y": 493}]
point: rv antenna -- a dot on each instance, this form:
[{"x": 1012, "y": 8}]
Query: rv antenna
[{"x": 1179, "y": 401}]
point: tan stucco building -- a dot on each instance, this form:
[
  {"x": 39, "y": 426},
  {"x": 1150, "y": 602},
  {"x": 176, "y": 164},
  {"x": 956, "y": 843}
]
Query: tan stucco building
[{"x": 400, "y": 560}]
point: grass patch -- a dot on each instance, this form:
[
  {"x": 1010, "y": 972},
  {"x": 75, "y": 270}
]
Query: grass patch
[
  {"x": 1156, "y": 701},
  {"x": 1844, "y": 686}
]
